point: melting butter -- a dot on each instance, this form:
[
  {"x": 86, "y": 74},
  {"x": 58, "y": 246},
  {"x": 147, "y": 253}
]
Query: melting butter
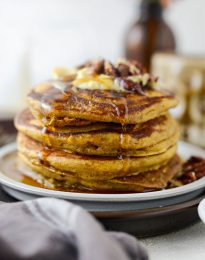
[{"x": 86, "y": 80}]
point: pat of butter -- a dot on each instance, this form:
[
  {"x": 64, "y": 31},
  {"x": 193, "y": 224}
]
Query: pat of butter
[{"x": 84, "y": 80}]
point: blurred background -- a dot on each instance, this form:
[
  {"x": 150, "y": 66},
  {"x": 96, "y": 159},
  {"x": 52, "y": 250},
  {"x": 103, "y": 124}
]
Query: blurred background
[{"x": 168, "y": 36}]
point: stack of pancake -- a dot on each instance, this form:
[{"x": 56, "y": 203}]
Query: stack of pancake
[{"x": 99, "y": 128}]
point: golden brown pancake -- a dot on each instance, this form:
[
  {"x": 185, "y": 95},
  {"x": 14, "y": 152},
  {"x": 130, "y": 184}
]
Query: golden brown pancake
[
  {"x": 147, "y": 181},
  {"x": 105, "y": 139},
  {"x": 47, "y": 101},
  {"x": 88, "y": 167}
]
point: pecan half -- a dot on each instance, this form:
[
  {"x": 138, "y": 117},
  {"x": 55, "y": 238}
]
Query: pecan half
[
  {"x": 193, "y": 169},
  {"x": 99, "y": 67},
  {"x": 124, "y": 70}
]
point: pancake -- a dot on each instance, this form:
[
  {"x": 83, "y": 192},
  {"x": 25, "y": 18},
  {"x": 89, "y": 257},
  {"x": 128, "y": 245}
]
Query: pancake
[
  {"x": 90, "y": 167},
  {"x": 46, "y": 101},
  {"x": 143, "y": 182},
  {"x": 99, "y": 127},
  {"x": 105, "y": 139}
]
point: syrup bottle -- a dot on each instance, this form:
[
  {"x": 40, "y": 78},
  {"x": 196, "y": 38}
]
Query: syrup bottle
[{"x": 150, "y": 33}]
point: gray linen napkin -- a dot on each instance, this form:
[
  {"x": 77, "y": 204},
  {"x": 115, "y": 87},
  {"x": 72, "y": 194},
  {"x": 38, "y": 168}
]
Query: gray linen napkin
[{"x": 49, "y": 228}]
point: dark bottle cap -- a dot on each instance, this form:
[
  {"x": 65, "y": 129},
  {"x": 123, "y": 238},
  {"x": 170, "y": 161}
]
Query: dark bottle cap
[{"x": 151, "y": 9}]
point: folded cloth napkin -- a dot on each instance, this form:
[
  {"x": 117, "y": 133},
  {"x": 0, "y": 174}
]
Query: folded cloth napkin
[{"x": 50, "y": 228}]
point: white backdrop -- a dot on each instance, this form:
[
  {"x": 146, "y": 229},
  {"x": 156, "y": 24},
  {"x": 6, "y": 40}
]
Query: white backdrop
[{"x": 36, "y": 35}]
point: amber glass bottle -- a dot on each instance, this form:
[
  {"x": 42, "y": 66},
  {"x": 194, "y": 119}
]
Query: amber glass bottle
[{"x": 150, "y": 33}]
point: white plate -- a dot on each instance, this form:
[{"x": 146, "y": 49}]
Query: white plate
[{"x": 136, "y": 200}]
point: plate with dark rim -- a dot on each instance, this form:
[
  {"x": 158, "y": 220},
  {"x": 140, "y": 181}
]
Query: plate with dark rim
[{"x": 144, "y": 222}]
